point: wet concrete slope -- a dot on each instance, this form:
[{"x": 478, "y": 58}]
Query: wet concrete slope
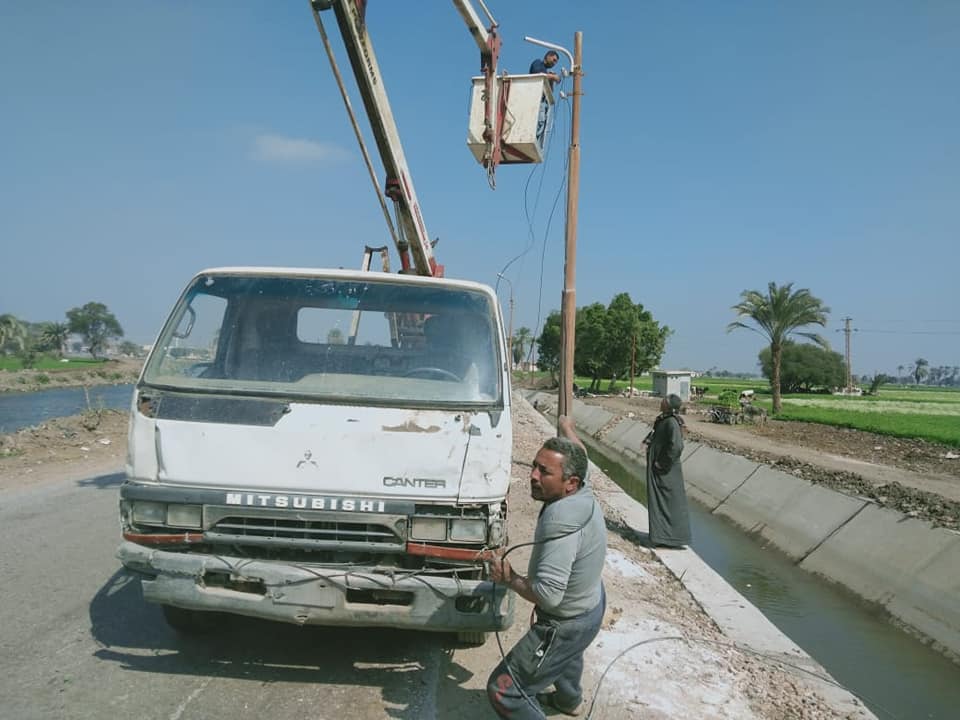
[
  {"x": 739, "y": 620},
  {"x": 905, "y": 565}
]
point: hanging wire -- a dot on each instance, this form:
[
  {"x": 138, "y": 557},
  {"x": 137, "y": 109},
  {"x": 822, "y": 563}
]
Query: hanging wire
[
  {"x": 543, "y": 254},
  {"x": 531, "y": 232}
]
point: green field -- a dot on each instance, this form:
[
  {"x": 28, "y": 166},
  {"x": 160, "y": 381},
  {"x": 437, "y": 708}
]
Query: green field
[
  {"x": 928, "y": 413},
  {"x": 936, "y": 428},
  {"x": 902, "y": 411},
  {"x": 50, "y": 364}
]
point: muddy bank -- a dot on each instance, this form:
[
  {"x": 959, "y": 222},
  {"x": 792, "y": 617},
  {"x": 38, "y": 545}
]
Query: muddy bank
[
  {"x": 111, "y": 372},
  {"x": 86, "y": 442}
]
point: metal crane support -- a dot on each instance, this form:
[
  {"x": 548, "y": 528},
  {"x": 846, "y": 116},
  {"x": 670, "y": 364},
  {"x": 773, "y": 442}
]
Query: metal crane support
[
  {"x": 488, "y": 41},
  {"x": 413, "y": 242},
  {"x": 392, "y": 317}
]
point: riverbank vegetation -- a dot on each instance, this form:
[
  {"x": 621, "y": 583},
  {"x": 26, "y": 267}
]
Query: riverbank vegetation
[{"x": 53, "y": 373}]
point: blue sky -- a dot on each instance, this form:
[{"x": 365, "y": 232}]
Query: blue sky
[{"x": 724, "y": 145}]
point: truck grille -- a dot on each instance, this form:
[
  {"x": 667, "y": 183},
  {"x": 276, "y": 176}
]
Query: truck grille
[{"x": 335, "y": 532}]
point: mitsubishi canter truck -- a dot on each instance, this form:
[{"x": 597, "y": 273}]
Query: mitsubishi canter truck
[{"x": 324, "y": 447}]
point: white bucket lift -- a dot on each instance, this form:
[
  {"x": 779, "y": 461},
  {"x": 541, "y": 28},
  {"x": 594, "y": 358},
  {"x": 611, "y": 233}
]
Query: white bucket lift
[{"x": 520, "y": 143}]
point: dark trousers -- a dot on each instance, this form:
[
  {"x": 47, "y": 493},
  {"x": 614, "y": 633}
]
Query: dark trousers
[{"x": 551, "y": 653}]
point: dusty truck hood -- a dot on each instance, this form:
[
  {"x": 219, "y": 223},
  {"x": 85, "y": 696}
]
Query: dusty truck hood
[{"x": 332, "y": 449}]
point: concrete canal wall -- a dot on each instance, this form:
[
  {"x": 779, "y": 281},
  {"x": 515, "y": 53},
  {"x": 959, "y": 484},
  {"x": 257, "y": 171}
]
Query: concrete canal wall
[
  {"x": 739, "y": 620},
  {"x": 906, "y": 565}
]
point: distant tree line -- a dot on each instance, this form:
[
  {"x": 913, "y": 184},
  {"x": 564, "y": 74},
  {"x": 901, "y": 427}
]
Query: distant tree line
[
  {"x": 93, "y": 322},
  {"x": 782, "y": 312},
  {"x": 921, "y": 372},
  {"x": 721, "y": 373}
]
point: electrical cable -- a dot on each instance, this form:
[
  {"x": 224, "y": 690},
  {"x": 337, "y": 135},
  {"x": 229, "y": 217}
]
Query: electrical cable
[
  {"x": 769, "y": 659},
  {"x": 503, "y": 654},
  {"x": 911, "y": 332},
  {"x": 543, "y": 252},
  {"x": 417, "y": 575},
  {"x": 530, "y": 229},
  {"x": 765, "y": 657},
  {"x": 526, "y": 204}
]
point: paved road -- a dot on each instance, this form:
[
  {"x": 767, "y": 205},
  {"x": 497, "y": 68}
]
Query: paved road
[{"x": 77, "y": 640}]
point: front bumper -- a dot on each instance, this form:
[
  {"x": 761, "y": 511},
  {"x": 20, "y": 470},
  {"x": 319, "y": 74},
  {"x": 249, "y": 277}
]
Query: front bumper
[{"x": 316, "y": 595}]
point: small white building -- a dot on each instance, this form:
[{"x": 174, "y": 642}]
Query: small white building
[{"x": 671, "y": 382}]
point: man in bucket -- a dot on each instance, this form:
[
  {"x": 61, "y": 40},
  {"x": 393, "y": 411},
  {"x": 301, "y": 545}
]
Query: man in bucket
[{"x": 563, "y": 581}]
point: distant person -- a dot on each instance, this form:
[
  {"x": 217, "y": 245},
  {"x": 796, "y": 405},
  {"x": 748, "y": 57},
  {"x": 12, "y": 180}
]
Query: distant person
[
  {"x": 666, "y": 496},
  {"x": 543, "y": 67}
]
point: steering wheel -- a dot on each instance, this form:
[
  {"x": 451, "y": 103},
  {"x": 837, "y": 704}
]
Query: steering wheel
[{"x": 427, "y": 370}]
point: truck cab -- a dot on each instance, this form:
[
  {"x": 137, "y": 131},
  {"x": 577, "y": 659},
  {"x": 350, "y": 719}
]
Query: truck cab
[{"x": 323, "y": 447}]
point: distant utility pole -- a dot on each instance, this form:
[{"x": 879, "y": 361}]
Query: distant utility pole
[{"x": 847, "y": 330}]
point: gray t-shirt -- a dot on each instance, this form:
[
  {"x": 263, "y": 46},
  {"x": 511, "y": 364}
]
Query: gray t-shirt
[{"x": 565, "y": 572}]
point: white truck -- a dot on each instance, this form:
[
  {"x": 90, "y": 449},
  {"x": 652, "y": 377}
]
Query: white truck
[
  {"x": 299, "y": 450},
  {"x": 326, "y": 446}
]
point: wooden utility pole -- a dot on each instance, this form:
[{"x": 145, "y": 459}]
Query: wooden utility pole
[
  {"x": 846, "y": 332},
  {"x": 568, "y": 306}
]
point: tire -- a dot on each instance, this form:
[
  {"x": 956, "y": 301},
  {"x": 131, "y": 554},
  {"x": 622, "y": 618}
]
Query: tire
[
  {"x": 472, "y": 638},
  {"x": 191, "y": 622}
]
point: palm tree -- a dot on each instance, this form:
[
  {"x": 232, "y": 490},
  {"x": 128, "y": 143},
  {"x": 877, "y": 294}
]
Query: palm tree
[
  {"x": 12, "y": 332},
  {"x": 899, "y": 373},
  {"x": 778, "y": 314},
  {"x": 919, "y": 369},
  {"x": 54, "y": 335}
]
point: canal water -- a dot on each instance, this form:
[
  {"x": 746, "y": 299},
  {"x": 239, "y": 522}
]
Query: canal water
[
  {"x": 895, "y": 675},
  {"x": 20, "y": 410}
]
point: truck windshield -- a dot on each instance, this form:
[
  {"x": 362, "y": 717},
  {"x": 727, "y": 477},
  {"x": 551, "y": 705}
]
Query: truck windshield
[{"x": 331, "y": 338}]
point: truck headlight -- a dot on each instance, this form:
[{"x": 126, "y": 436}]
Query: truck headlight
[
  {"x": 185, "y": 516},
  {"x": 468, "y": 530},
  {"x": 149, "y": 513},
  {"x": 428, "y": 528}
]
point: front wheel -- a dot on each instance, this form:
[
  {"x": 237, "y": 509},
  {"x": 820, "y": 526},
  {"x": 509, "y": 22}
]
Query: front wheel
[
  {"x": 472, "y": 638},
  {"x": 191, "y": 622}
]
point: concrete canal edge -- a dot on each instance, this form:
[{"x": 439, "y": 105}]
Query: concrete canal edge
[{"x": 905, "y": 565}]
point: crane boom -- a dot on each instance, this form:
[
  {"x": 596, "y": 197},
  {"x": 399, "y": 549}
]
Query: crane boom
[
  {"x": 488, "y": 41},
  {"x": 413, "y": 242}
]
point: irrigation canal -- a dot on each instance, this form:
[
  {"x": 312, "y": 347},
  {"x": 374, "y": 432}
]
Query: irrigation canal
[
  {"x": 896, "y": 675},
  {"x": 20, "y": 410}
]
